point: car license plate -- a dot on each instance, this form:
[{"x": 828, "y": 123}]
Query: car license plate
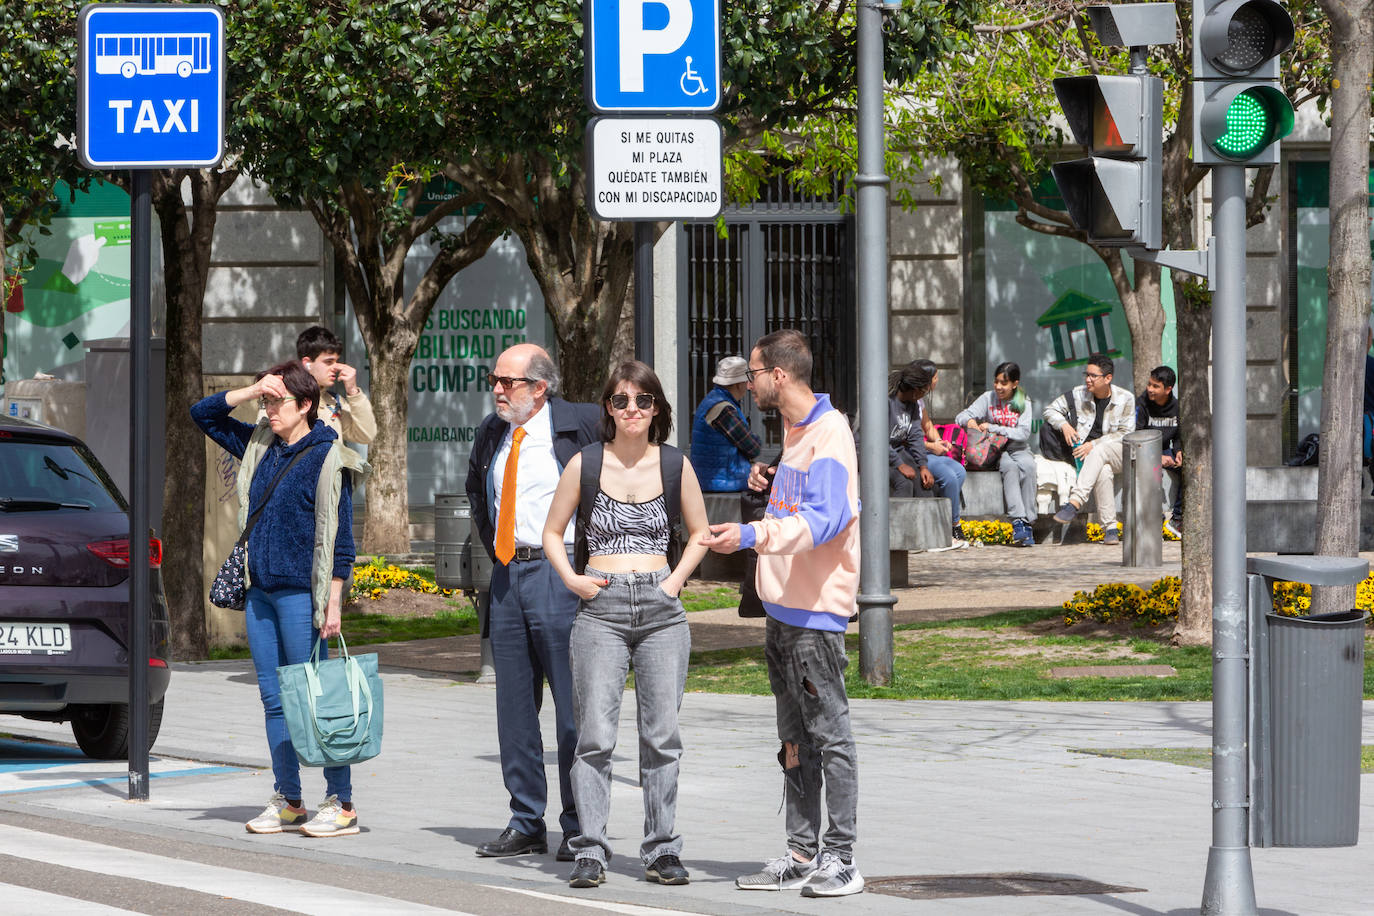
[{"x": 35, "y": 638}]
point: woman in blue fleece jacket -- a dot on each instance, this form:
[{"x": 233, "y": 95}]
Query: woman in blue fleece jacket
[{"x": 300, "y": 553}]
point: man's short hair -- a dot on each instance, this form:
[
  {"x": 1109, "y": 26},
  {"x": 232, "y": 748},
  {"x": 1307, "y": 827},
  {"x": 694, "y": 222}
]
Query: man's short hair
[
  {"x": 315, "y": 340},
  {"x": 541, "y": 368},
  {"x": 1164, "y": 375},
  {"x": 1103, "y": 362},
  {"x": 788, "y": 350}
]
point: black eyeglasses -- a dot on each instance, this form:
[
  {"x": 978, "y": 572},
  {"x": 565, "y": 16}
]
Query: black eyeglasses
[
  {"x": 643, "y": 401},
  {"x": 507, "y": 381},
  {"x": 1092, "y": 378},
  {"x": 750, "y": 373}
]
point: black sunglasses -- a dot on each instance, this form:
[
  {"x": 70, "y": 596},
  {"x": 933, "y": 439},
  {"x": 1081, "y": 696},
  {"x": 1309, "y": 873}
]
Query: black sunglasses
[
  {"x": 507, "y": 381},
  {"x": 643, "y": 401}
]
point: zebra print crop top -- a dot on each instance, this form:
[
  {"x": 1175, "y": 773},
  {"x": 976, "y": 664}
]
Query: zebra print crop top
[{"x": 616, "y": 527}]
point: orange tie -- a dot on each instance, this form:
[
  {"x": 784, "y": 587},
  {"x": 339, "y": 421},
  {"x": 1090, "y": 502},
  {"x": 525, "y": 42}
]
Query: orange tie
[{"x": 505, "y": 516}]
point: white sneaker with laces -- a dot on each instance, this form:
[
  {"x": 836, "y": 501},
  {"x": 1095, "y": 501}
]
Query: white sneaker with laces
[
  {"x": 784, "y": 873},
  {"x": 834, "y": 878},
  {"x": 332, "y": 820},
  {"x": 276, "y": 817}
]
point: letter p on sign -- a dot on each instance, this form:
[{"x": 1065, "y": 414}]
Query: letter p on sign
[{"x": 636, "y": 40}]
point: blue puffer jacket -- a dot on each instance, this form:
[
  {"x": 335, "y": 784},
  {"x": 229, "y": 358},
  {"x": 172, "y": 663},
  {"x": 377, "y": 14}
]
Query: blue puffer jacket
[{"x": 719, "y": 465}]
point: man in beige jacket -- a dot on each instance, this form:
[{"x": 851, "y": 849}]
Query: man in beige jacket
[{"x": 319, "y": 349}]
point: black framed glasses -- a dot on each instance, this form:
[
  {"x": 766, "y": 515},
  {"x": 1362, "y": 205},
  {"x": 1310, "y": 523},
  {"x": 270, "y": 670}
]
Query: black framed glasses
[
  {"x": 1092, "y": 378},
  {"x": 643, "y": 401},
  {"x": 507, "y": 381},
  {"x": 750, "y": 373}
]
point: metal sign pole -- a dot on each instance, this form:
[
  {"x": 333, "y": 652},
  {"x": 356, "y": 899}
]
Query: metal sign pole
[
  {"x": 644, "y": 292},
  {"x": 140, "y": 332},
  {"x": 1229, "y": 887},
  {"x": 875, "y": 579}
]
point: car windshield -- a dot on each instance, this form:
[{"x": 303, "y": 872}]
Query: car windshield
[{"x": 43, "y": 476}]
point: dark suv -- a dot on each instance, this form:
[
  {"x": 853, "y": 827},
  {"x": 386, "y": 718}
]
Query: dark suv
[{"x": 64, "y": 596}]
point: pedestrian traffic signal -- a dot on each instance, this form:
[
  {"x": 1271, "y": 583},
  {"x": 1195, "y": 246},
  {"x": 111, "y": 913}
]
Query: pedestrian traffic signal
[
  {"x": 1239, "y": 109},
  {"x": 1115, "y": 194}
]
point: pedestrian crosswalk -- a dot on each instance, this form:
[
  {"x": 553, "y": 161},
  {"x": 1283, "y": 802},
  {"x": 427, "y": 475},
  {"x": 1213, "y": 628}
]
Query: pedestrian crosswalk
[{"x": 97, "y": 859}]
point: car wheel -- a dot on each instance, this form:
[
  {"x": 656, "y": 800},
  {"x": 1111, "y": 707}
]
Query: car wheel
[{"x": 102, "y": 729}]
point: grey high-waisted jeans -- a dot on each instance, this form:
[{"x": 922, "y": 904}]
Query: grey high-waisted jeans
[
  {"x": 806, "y": 672},
  {"x": 631, "y": 622}
]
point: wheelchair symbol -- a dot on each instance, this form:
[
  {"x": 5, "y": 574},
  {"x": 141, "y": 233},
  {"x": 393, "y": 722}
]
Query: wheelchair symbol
[{"x": 689, "y": 76}]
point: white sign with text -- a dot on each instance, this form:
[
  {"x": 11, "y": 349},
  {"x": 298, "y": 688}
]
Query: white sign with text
[{"x": 654, "y": 168}]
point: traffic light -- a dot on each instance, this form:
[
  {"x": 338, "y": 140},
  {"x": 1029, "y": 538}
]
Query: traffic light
[
  {"x": 1115, "y": 194},
  {"x": 1239, "y": 109}
]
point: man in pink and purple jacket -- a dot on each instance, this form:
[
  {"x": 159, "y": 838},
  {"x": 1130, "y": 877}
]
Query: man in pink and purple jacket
[{"x": 807, "y": 579}]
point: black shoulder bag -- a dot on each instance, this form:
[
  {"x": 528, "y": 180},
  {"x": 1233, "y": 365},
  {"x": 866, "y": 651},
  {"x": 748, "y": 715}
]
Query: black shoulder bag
[
  {"x": 1052, "y": 444},
  {"x": 228, "y": 591},
  {"x": 670, "y": 469}
]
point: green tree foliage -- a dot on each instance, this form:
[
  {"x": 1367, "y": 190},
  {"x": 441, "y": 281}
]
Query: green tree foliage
[
  {"x": 518, "y": 99},
  {"x": 342, "y": 114}
]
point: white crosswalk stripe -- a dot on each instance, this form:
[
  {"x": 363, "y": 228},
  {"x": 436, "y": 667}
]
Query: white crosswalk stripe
[
  {"x": 25, "y": 901},
  {"x": 285, "y": 893}
]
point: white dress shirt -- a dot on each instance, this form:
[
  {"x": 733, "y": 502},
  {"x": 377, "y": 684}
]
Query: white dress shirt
[{"x": 535, "y": 479}]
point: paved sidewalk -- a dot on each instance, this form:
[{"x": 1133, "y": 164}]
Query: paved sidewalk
[{"x": 946, "y": 789}]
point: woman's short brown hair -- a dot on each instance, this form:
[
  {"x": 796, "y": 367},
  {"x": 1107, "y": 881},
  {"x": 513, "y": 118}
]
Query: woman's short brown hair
[
  {"x": 643, "y": 378},
  {"x": 300, "y": 383}
]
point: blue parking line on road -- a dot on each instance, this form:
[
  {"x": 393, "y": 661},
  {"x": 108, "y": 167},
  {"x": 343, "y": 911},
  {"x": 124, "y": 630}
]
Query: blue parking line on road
[{"x": 123, "y": 778}]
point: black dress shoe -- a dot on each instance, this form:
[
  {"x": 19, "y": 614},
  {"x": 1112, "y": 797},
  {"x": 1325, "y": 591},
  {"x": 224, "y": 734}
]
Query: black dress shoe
[
  {"x": 565, "y": 853},
  {"x": 587, "y": 873},
  {"x": 512, "y": 842}
]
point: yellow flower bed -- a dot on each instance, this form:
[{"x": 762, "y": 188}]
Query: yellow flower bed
[
  {"x": 1116, "y": 601},
  {"x": 1095, "y": 532},
  {"x": 986, "y": 532},
  {"x": 374, "y": 579}
]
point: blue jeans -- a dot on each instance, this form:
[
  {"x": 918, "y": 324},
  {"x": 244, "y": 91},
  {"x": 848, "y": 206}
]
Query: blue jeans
[
  {"x": 281, "y": 631},
  {"x": 531, "y": 619},
  {"x": 631, "y": 622},
  {"x": 949, "y": 480}
]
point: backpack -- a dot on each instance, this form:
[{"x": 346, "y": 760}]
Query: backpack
[
  {"x": 957, "y": 437},
  {"x": 1052, "y": 444},
  {"x": 669, "y": 467}
]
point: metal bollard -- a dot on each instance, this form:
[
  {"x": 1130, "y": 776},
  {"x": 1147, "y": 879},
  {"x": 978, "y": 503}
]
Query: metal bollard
[{"x": 1143, "y": 494}]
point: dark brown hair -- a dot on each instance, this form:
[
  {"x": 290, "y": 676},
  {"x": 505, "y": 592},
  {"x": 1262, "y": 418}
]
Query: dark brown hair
[
  {"x": 300, "y": 383},
  {"x": 642, "y": 377},
  {"x": 788, "y": 350}
]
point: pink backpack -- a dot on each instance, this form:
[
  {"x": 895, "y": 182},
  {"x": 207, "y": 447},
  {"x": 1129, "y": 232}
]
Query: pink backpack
[{"x": 957, "y": 437}]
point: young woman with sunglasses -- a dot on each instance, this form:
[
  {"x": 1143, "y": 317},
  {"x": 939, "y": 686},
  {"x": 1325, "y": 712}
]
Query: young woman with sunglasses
[{"x": 629, "y": 615}]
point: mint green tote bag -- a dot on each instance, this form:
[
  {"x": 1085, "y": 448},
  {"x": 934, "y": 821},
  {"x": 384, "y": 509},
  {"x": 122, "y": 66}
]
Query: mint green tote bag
[{"x": 333, "y": 708}]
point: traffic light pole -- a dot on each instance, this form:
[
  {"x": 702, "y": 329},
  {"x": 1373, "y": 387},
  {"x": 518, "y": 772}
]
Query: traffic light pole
[
  {"x": 875, "y": 583},
  {"x": 1229, "y": 888}
]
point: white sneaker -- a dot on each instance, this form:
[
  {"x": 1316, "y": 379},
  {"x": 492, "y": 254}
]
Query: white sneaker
[
  {"x": 276, "y": 817},
  {"x": 332, "y": 820},
  {"x": 834, "y": 878},
  {"x": 1174, "y": 528},
  {"x": 784, "y": 873}
]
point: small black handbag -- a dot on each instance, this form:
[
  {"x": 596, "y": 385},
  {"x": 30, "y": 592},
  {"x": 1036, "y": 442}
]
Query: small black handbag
[{"x": 228, "y": 590}]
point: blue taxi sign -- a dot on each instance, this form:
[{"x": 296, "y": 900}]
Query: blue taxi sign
[{"x": 151, "y": 86}]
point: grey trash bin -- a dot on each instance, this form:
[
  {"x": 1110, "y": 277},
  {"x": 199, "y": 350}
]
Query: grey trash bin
[
  {"x": 460, "y": 560},
  {"x": 1316, "y": 668},
  {"x": 1308, "y": 688}
]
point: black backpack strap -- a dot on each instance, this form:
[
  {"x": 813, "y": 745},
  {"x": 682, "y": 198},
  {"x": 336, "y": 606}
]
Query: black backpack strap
[
  {"x": 589, "y": 484},
  {"x": 670, "y": 469},
  {"x": 1073, "y": 411}
]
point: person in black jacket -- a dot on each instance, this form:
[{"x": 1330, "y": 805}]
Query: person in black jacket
[
  {"x": 1157, "y": 408},
  {"x": 531, "y": 610}
]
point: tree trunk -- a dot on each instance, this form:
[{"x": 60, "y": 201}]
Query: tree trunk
[
  {"x": 1193, "y": 311},
  {"x": 387, "y": 530},
  {"x": 1338, "y": 475},
  {"x": 187, "y": 237}
]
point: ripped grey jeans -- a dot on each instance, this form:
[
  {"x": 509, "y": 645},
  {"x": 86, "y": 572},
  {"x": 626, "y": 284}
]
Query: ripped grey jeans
[{"x": 806, "y": 672}]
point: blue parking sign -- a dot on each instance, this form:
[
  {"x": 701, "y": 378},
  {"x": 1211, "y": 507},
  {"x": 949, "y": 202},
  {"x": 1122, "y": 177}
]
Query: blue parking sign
[
  {"x": 653, "y": 55},
  {"x": 151, "y": 86}
]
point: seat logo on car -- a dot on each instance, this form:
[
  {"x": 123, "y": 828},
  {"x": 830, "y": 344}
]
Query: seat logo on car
[{"x": 9, "y": 543}]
